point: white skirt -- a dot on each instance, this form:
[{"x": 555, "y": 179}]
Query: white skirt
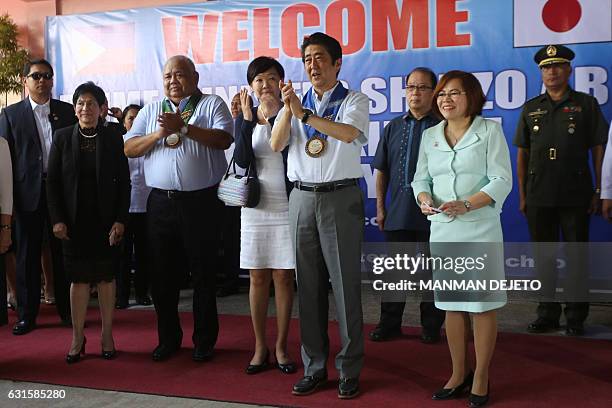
[{"x": 265, "y": 240}]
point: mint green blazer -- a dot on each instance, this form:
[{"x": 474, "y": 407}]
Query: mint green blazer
[{"x": 479, "y": 162}]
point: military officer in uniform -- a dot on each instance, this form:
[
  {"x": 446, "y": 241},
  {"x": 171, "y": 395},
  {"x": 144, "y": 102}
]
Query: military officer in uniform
[{"x": 555, "y": 132}]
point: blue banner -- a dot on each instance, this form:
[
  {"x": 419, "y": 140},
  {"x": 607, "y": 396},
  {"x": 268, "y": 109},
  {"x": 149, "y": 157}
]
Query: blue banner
[{"x": 124, "y": 52}]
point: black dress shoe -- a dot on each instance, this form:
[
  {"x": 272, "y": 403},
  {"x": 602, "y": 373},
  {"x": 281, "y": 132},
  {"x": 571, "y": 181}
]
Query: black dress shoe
[
  {"x": 448, "y": 393},
  {"x": 475, "y": 401},
  {"x": 23, "y": 327},
  {"x": 258, "y": 368},
  {"x": 201, "y": 353},
  {"x": 122, "y": 304},
  {"x": 541, "y": 325},
  {"x": 109, "y": 355},
  {"x": 163, "y": 352},
  {"x": 348, "y": 388},
  {"x": 428, "y": 337},
  {"x": 574, "y": 329},
  {"x": 309, "y": 384},
  {"x": 75, "y": 358},
  {"x": 144, "y": 300},
  {"x": 382, "y": 334}
]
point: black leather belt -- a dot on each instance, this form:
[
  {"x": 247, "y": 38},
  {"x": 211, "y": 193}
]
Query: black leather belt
[
  {"x": 177, "y": 195},
  {"x": 325, "y": 187}
]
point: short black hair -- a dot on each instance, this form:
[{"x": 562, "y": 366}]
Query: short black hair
[
  {"x": 424, "y": 70},
  {"x": 129, "y": 108},
  {"x": 331, "y": 45},
  {"x": 262, "y": 64},
  {"x": 89, "y": 88},
  {"x": 41, "y": 61}
]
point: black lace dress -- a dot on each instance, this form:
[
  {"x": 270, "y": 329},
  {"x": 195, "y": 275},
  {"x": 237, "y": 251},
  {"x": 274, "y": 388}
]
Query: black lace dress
[{"x": 88, "y": 257}]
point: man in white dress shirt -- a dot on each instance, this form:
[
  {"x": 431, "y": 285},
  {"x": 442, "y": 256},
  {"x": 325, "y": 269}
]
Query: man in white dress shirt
[
  {"x": 325, "y": 132},
  {"x": 182, "y": 139}
]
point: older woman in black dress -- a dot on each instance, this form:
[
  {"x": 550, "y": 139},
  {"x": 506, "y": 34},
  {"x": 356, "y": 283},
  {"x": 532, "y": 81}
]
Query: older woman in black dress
[{"x": 88, "y": 190}]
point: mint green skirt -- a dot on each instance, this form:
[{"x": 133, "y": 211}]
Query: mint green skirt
[{"x": 457, "y": 287}]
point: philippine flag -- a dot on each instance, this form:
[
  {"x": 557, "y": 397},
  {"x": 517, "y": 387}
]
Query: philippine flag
[{"x": 540, "y": 22}]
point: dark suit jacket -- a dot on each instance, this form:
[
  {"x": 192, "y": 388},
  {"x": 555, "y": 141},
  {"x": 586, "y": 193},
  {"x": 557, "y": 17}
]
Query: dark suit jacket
[
  {"x": 18, "y": 127},
  {"x": 243, "y": 149},
  {"x": 112, "y": 171}
]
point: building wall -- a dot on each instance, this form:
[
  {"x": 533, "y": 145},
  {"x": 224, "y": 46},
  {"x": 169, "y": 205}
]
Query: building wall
[{"x": 29, "y": 15}]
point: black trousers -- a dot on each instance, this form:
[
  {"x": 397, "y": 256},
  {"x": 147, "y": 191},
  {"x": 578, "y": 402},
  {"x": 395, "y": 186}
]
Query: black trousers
[
  {"x": 231, "y": 246},
  {"x": 184, "y": 224},
  {"x": 545, "y": 224},
  {"x": 30, "y": 227},
  {"x": 135, "y": 244},
  {"x": 391, "y": 313}
]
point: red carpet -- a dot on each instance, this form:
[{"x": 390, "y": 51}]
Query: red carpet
[{"x": 534, "y": 371}]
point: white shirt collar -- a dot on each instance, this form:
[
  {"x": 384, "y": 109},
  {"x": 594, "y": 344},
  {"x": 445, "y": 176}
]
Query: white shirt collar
[
  {"x": 182, "y": 103},
  {"x": 35, "y": 105},
  {"x": 326, "y": 94}
]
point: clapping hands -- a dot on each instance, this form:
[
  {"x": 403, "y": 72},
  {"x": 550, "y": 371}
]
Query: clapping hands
[{"x": 290, "y": 99}]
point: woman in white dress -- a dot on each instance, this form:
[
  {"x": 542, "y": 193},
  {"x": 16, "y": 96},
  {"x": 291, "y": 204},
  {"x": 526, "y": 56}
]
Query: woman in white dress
[{"x": 265, "y": 241}]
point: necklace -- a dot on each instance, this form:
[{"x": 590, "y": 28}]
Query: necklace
[
  {"x": 87, "y": 136},
  {"x": 265, "y": 116}
]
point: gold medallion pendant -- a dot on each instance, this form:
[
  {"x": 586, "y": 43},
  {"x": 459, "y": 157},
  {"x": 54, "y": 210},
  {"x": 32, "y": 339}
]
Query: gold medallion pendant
[
  {"x": 173, "y": 141},
  {"x": 315, "y": 146}
]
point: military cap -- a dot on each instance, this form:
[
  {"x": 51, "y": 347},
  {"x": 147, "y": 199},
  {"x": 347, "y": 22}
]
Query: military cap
[{"x": 553, "y": 54}]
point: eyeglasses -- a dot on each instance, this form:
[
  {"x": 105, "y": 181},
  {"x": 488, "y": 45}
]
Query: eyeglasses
[
  {"x": 453, "y": 94},
  {"x": 37, "y": 75},
  {"x": 420, "y": 88}
]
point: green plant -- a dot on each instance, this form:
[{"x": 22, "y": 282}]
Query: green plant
[{"x": 12, "y": 57}]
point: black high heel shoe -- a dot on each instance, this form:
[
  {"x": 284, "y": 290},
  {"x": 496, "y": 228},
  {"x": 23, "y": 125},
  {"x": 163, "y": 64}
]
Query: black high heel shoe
[
  {"x": 448, "y": 393},
  {"x": 258, "y": 368},
  {"x": 475, "y": 401},
  {"x": 109, "y": 355},
  {"x": 73, "y": 358},
  {"x": 288, "y": 368}
]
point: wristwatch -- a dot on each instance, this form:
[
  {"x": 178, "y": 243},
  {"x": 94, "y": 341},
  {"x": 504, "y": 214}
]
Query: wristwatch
[
  {"x": 184, "y": 130},
  {"x": 467, "y": 204},
  {"x": 307, "y": 113}
]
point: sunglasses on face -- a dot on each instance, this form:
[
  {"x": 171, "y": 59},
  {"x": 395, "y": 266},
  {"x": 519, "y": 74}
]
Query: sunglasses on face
[{"x": 37, "y": 75}]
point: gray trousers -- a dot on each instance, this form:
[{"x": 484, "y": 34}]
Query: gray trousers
[{"x": 327, "y": 230}]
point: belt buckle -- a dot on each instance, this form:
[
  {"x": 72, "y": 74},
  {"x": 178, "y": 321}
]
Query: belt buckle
[
  {"x": 552, "y": 153},
  {"x": 170, "y": 194}
]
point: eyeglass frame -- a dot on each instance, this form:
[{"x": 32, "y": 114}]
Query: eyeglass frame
[
  {"x": 420, "y": 88},
  {"x": 453, "y": 93},
  {"x": 45, "y": 75}
]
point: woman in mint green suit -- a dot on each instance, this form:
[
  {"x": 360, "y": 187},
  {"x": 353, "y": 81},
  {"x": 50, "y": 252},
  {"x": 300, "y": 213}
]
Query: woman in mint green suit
[{"x": 463, "y": 177}]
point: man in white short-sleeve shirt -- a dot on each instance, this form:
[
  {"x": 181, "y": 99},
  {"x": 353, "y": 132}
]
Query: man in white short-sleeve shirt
[
  {"x": 325, "y": 132},
  {"x": 182, "y": 139}
]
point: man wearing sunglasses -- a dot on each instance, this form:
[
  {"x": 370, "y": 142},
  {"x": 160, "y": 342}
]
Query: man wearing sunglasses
[{"x": 28, "y": 127}]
